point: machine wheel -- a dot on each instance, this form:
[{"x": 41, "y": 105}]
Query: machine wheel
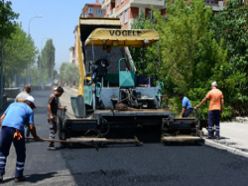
[
  {"x": 165, "y": 126},
  {"x": 104, "y": 128}
]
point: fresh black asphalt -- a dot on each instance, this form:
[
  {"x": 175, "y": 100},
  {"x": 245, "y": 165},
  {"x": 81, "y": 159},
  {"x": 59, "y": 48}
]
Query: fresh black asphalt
[{"x": 152, "y": 164}]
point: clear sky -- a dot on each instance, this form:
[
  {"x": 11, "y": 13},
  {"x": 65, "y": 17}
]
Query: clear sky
[{"x": 59, "y": 18}]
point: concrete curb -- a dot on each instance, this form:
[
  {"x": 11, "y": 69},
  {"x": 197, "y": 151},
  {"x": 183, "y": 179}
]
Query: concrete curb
[{"x": 214, "y": 144}]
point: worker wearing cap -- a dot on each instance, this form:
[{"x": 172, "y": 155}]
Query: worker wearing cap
[
  {"x": 12, "y": 122},
  {"x": 21, "y": 98},
  {"x": 53, "y": 106},
  {"x": 24, "y": 94},
  {"x": 186, "y": 106},
  {"x": 216, "y": 105}
]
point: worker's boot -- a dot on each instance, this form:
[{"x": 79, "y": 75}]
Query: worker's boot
[
  {"x": 217, "y": 138},
  {"x": 51, "y": 146},
  {"x": 20, "y": 179},
  {"x": 217, "y": 133},
  {"x": 1, "y": 178},
  {"x": 210, "y": 133}
]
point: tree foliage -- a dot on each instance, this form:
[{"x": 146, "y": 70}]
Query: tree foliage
[
  {"x": 231, "y": 25},
  {"x": 69, "y": 74},
  {"x": 146, "y": 59},
  {"x": 7, "y": 27},
  {"x": 189, "y": 51},
  {"x": 7, "y": 19},
  {"x": 20, "y": 54},
  {"x": 191, "y": 57},
  {"x": 46, "y": 61}
]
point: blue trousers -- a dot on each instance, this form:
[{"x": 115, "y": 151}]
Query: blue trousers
[
  {"x": 187, "y": 112},
  {"x": 6, "y": 139},
  {"x": 214, "y": 119}
]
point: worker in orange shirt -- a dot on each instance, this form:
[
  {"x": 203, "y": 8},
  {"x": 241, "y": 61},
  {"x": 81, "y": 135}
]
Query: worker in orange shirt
[{"x": 216, "y": 105}]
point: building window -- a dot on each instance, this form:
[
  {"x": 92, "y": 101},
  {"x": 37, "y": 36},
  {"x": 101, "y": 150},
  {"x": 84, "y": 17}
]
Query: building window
[
  {"x": 148, "y": 13},
  {"x": 91, "y": 10},
  {"x": 99, "y": 12},
  {"x": 134, "y": 12}
]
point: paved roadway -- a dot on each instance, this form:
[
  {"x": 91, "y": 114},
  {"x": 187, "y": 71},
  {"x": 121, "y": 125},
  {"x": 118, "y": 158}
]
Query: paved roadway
[{"x": 152, "y": 164}]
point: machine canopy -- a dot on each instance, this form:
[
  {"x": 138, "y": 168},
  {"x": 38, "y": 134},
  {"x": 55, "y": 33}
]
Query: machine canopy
[{"x": 121, "y": 37}]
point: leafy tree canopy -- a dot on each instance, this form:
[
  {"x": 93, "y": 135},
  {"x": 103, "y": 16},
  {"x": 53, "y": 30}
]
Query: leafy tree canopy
[
  {"x": 19, "y": 52},
  {"x": 231, "y": 26},
  {"x": 69, "y": 74},
  {"x": 47, "y": 58},
  {"x": 190, "y": 54},
  {"x": 7, "y": 19}
]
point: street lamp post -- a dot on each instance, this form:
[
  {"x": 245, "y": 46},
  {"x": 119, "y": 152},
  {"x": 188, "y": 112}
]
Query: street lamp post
[
  {"x": 29, "y": 24},
  {"x": 30, "y": 21}
]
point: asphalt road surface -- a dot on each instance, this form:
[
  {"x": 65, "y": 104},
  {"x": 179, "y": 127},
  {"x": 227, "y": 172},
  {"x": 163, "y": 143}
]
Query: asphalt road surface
[{"x": 151, "y": 164}]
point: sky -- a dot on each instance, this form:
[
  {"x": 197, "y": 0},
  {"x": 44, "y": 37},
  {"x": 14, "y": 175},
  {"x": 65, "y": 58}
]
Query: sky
[{"x": 50, "y": 19}]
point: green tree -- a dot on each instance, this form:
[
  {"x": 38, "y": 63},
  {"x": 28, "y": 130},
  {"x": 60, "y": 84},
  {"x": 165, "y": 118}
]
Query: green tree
[
  {"x": 190, "y": 54},
  {"x": 147, "y": 58},
  {"x": 19, "y": 56},
  {"x": 47, "y": 59},
  {"x": 189, "y": 50},
  {"x": 231, "y": 25},
  {"x": 7, "y": 19},
  {"x": 69, "y": 74},
  {"x": 7, "y": 26}
]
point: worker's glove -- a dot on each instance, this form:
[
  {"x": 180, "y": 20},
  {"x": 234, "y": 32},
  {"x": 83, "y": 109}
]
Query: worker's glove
[
  {"x": 51, "y": 119},
  {"x": 63, "y": 108},
  {"x": 17, "y": 135},
  {"x": 37, "y": 138}
]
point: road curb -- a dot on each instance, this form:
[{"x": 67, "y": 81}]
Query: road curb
[{"x": 232, "y": 150}]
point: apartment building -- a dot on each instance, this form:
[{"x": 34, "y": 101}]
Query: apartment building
[
  {"x": 128, "y": 10},
  {"x": 92, "y": 10},
  {"x": 89, "y": 10}
]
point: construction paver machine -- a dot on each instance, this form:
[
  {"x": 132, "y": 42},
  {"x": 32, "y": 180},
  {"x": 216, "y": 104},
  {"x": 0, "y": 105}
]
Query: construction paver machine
[{"x": 112, "y": 100}]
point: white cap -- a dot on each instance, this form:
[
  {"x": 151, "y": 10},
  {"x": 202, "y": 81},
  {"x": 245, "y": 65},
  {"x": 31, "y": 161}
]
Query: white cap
[
  {"x": 30, "y": 99},
  {"x": 214, "y": 84}
]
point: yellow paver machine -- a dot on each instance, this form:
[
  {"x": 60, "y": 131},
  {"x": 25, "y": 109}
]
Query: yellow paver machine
[{"x": 112, "y": 101}]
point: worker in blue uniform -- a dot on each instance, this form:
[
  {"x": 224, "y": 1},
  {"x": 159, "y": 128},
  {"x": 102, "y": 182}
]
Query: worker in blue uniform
[
  {"x": 186, "y": 106},
  {"x": 12, "y": 123}
]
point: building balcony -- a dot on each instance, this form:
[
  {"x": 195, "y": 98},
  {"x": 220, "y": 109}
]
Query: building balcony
[{"x": 145, "y": 3}]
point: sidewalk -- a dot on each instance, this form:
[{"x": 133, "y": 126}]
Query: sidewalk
[{"x": 234, "y": 137}]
